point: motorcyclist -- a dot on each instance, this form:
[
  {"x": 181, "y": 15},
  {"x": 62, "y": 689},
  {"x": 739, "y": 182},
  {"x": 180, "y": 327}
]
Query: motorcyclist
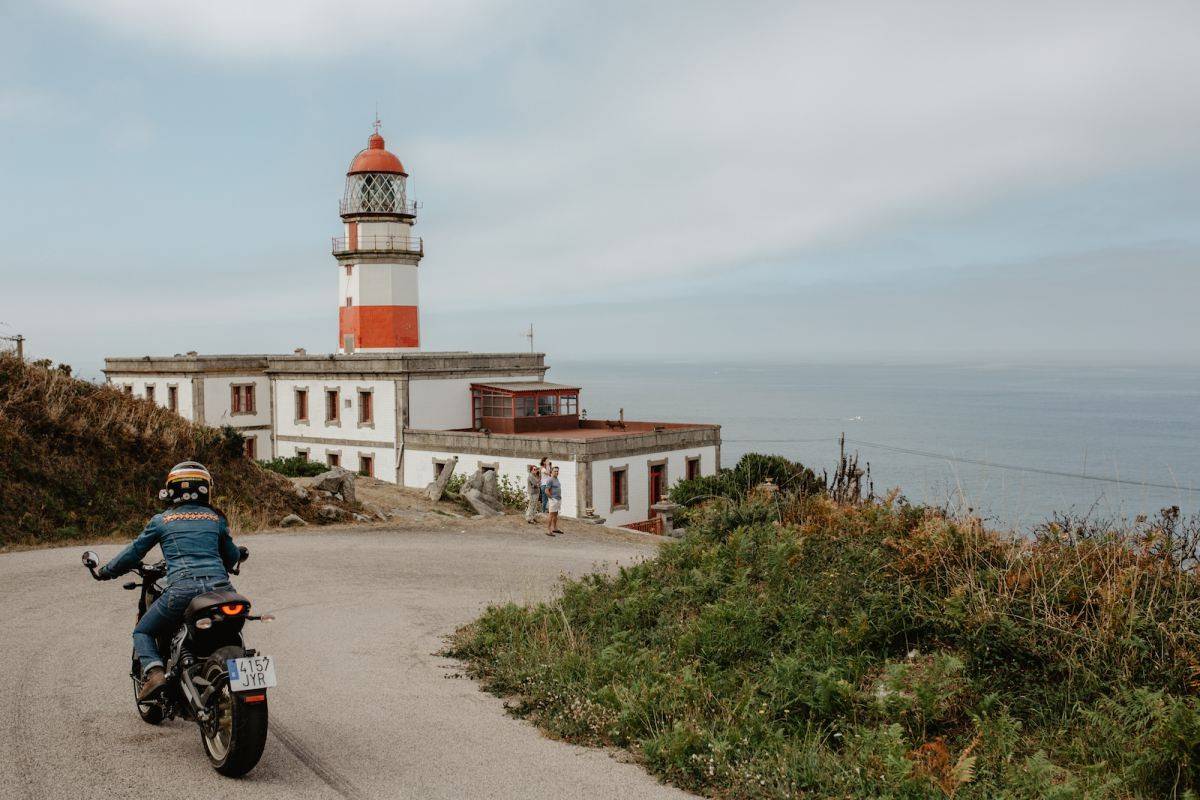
[{"x": 195, "y": 541}]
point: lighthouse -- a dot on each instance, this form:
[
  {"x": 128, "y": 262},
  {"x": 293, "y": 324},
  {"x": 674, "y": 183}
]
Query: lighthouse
[{"x": 377, "y": 256}]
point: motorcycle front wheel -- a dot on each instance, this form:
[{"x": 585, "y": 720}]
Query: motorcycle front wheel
[{"x": 235, "y": 737}]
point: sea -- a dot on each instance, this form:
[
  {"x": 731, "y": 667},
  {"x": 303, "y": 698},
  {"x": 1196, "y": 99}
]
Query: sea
[{"x": 1013, "y": 444}]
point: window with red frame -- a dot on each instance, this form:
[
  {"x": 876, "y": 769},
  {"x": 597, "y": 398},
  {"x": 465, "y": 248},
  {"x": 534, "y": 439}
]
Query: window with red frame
[
  {"x": 366, "y": 411},
  {"x": 332, "y": 398},
  {"x": 620, "y": 489},
  {"x": 241, "y": 398},
  {"x": 302, "y": 405}
]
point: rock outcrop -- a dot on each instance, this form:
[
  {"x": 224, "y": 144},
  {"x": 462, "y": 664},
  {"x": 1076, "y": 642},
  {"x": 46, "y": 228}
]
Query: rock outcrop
[
  {"x": 482, "y": 492},
  {"x": 337, "y": 481}
]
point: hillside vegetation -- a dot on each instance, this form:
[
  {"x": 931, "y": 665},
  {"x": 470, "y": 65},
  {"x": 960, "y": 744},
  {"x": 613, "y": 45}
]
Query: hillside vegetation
[
  {"x": 78, "y": 460},
  {"x": 800, "y": 647}
]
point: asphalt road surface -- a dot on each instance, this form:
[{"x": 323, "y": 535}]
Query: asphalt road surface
[{"x": 364, "y": 709}]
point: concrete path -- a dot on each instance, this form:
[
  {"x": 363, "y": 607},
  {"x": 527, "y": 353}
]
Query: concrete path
[{"x": 363, "y": 710}]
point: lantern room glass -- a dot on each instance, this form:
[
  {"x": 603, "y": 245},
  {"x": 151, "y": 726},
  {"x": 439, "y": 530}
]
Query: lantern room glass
[{"x": 376, "y": 193}]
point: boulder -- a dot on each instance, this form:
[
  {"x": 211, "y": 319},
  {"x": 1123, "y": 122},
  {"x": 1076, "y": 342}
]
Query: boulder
[
  {"x": 302, "y": 493},
  {"x": 330, "y": 513},
  {"x": 337, "y": 481},
  {"x": 435, "y": 490},
  {"x": 362, "y": 518},
  {"x": 375, "y": 511},
  {"x": 291, "y": 521},
  {"x": 481, "y": 505},
  {"x": 482, "y": 488}
]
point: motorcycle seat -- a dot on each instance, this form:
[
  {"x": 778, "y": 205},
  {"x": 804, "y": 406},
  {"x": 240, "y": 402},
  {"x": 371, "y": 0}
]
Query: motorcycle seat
[{"x": 203, "y": 603}]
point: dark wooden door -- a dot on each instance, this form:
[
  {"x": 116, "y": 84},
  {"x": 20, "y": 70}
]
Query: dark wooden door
[{"x": 658, "y": 486}]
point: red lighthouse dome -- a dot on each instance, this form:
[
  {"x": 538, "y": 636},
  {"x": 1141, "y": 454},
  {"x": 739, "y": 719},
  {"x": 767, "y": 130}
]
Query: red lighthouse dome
[{"x": 376, "y": 159}]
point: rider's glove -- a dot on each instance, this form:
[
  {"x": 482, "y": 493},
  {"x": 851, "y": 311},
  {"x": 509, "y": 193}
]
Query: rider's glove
[{"x": 104, "y": 575}]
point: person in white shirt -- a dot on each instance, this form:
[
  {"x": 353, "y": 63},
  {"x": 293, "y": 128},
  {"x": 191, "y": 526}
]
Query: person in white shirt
[{"x": 553, "y": 502}]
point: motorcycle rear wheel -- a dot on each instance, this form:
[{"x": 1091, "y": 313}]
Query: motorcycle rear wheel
[{"x": 234, "y": 741}]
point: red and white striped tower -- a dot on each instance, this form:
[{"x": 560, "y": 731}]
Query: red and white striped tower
[{"x": 377, "y": 256}]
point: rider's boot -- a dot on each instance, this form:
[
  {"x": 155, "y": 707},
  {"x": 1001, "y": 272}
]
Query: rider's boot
[{"x": 156, "y": 678}]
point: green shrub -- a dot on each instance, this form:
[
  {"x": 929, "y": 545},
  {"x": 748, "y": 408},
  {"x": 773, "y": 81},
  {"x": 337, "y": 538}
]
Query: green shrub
[
  {"x": 752, "y": 469},
  {"x": 294, "y": 466}
]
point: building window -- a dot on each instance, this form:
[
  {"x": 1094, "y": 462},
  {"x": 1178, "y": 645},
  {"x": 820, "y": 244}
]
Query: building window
[
  {"x": 497, "y": 405},
  {"x": 547, "y": 405},
  {"x": 128, "y": 388},
  {"x": 619, "y": 497},
  {"x": 366, "y": 466},
  {"x": 302, "y": 405},
  {"x": 693, "y": 468},
  {"x": 439, "y": 464},
  {"x": 349, "y": 302},
  {"x": 332, "y": 397},
  {"x": 349, "y": 270},
  {"x": 333, "y": 459},
  {"x": 173, "y": 398},
  {"x": 241, "y": 398},
  {"x": 252, "y": 447},
  {"x": 568, "y": 404},
  {"x": 526, "y": 406},
  {"x": 150, "y": 392},
  {"x": 366, "y": 409},
  {"x": 302, "y": 455}
]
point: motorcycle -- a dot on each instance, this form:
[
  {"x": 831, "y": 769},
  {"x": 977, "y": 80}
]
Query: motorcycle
[{"x": 212, "y": 679}]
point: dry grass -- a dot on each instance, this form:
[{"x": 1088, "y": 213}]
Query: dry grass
[{"x": 79, "y": 460}]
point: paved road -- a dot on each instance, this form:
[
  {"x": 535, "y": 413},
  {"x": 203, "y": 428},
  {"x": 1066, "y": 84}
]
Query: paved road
[{"x": 364, "y": 709}]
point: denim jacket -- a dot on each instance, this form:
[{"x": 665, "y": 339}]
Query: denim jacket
[{"x": 194, "y": 540}]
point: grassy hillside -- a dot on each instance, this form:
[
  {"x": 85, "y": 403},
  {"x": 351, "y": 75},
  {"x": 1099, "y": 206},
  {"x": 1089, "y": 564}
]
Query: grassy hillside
[
  {"x": 811, "y": 649},
  {"x": 79, "y": 460}
]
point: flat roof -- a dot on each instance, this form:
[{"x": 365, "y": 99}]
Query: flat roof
[
  {"x": 590, "y": 441},
  {"x": 524, "y": 386},
  {"x": 586, "y": 434},
  {"x": 458, "y": 363}
]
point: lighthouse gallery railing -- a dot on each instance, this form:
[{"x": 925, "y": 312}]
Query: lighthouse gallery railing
[{"x": 378, "y": 244}]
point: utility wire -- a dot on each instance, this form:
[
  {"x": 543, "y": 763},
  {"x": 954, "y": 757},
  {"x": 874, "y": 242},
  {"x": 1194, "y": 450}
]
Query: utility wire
[{"x": 980, "y": 462}]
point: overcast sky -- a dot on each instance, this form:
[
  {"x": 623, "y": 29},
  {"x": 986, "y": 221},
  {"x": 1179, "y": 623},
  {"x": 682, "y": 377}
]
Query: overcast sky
[{"x": 807, "y": 181}]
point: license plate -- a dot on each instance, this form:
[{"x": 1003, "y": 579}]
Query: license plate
[{"x": 253, "y": 672}]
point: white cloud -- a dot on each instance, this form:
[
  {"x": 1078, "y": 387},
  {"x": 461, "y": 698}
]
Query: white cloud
[
  {"x": 700, "y": 143},
  {"x": 677, "y": 139},
  {"x": 304, "y": 29}
]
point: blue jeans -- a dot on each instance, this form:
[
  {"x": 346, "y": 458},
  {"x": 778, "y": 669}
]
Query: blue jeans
[{"x": 165, "y": 614}]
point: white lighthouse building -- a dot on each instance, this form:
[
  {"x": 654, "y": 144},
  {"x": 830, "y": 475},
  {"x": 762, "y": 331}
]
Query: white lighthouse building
[
  {"x": 382, "y": 407},
  {"x": 378, "y": 256}
]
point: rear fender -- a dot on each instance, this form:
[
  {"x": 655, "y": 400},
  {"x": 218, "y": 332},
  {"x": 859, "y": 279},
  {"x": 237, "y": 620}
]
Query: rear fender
[{"x": 204, "y": 643}]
